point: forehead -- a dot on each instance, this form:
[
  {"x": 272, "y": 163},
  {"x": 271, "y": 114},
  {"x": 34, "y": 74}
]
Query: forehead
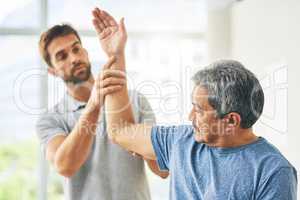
[
  {"x": 200, "y": 96},
  {"x": 61, "y": 43}
]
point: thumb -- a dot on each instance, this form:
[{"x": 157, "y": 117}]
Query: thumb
[{"x": 122, "y": 25}]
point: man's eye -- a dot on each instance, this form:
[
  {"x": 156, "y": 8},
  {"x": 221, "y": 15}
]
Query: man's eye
[
  {"x": 62, "y": 57},
  {"x": 76, "y": 50},
  {"x": 199, "y": 110}
]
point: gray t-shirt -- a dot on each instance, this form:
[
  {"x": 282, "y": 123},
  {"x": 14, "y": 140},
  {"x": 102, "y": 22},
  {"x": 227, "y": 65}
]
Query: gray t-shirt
[{"x": 109, "y": 172}]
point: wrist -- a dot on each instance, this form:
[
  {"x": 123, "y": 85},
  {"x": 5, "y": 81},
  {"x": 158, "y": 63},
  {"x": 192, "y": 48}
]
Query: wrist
[
  {"x": 119, "y": 63},
  {"x": 92, "y": 107},
  {"x": 119, "y": 54}
]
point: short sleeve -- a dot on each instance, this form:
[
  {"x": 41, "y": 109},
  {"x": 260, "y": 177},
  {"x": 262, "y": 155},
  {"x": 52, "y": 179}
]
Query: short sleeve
[
  {"x": 163, "y": 139},
  {"x": 282, "y": 185},
  {"x": 146, "y": 114},
  {"x": 47, "y": 127}
]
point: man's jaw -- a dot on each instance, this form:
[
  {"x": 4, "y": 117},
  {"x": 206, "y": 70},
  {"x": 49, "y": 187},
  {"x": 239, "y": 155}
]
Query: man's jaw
[
  {"x": 200, "y": 134},
  {"x": 79, "y": 70},
  {"x": 79, "y": 74}
]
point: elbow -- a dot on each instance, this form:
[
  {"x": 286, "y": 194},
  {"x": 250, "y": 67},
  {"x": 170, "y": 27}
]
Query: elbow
[
  {"x": 164, "y": 175},
  {"x": 66, "y": 172},
  {"x": 64, "y": 169}
]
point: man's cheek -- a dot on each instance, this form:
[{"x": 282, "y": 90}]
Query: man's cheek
[{"x": 196, "y": 125}]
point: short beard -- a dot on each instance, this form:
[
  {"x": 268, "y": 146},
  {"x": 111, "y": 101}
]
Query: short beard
[{"x": 76, "y": 80}]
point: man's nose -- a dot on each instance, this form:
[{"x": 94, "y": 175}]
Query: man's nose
[{"x": 74, "y": 59}]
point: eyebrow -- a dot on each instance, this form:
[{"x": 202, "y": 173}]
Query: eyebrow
[
  {"x": 197, "y": 105},
  {"x": 75, "y": 43}
]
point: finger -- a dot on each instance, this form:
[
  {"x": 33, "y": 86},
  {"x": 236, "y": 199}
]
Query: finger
[
  {"x": 112, "y": 73},
  {"x": 99, "y": 28},
  {"x": 108, "y": 19},
  {"x": 103, "y": 17},
  {"x": 99, "y": 17},
  {"x": 109, "y": 63},
  {"x": 112, "y": 81},
  {"x": 122, "y": 25},
  {"x": 97, "y": 83},
  {"x": 111, "y": 89}
]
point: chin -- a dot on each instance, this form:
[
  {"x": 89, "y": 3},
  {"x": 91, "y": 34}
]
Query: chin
[
  {"x": 205, "y": 137},
  {"x": 84, "y": 76},
  {"x": 199, "y": 137}
]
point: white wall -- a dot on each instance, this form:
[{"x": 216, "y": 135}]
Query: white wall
[
  {"x": 265, "y": 36},
  {"x": 218, "y": 33}
]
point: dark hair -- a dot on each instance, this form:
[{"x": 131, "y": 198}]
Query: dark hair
[
  {"x": 52, "y": 33},
  {"x": 232, "y": 88}
]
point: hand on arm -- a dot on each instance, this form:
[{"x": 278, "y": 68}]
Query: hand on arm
[
  {"x": 69, "y": 153},
  {"x": 121, "y": 126}
]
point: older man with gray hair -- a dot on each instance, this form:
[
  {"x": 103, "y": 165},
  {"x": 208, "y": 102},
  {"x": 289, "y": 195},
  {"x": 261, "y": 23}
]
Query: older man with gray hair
[{"x": 218, "y": 157}]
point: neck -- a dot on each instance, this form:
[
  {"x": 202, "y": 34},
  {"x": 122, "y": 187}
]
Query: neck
[
  {"x": 82, "y": 91},
  {"x": 241, "y": 137}
]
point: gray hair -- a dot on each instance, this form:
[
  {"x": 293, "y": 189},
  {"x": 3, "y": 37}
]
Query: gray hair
[{"x": 232, "y": 88}]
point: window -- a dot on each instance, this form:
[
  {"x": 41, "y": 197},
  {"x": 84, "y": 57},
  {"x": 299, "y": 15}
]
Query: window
[
  {"x": 20, "y": 89},
  {"x": 18, "y": 14}
]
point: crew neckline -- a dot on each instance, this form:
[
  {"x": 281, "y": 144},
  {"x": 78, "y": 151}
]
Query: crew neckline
[{"x": 228, "y": 150}]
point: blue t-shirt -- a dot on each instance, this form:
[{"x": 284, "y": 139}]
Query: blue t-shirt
[{"x": 256, "y": 171}]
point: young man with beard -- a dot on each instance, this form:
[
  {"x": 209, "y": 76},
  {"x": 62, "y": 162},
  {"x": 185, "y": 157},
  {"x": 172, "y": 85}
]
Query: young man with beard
[
  {"x": 73, "y": 133},
  {"x": 219, "y": 157}
]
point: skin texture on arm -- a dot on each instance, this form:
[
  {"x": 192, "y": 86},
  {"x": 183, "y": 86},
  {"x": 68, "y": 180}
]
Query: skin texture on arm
[
  {"x": 121, "y": 126},
  {"x": 68, "y": 153},
  {"x": 154, "y": 168}
]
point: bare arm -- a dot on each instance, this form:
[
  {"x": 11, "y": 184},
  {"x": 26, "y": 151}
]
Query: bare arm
[
  {"x": 69, "y": 153},
  {"x": 121, "y": 126},
  {"x": 152, "y": 164}
]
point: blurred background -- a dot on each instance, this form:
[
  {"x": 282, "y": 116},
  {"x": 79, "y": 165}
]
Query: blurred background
[{"x": 167, "y": 42}]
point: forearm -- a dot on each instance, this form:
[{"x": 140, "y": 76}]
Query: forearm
[
  {"x": 75, "y": 149},
  {"x": 117, "y": 105},
  {"x": 121, "y": 126}
]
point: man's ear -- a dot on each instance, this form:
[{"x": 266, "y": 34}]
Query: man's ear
[
  {"x": 52, "y": 71},
  {"x": 234, "y": 119},
  {"x": 232, "y": 122}
]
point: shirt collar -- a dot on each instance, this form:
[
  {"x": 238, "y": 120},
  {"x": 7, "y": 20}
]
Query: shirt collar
[{"x": 72, "y": 104}]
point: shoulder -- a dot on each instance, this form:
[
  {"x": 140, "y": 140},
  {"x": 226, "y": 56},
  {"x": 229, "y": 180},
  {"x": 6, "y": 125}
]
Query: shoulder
[
  {"x": 181, "y": 133},
  {"x": 268, "y": 154},
  {"x": 52, "y": 115},
  {"x": 137, "y": 98},
  {"x": 270, "y": 160},
  {"x": 141, "y": 108}
]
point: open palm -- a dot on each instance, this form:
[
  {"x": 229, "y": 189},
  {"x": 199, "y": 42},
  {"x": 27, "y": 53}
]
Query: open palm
[{"x": 112, "y": 35}]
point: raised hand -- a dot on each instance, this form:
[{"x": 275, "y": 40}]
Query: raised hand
[{"x": 112, "y": 35}]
